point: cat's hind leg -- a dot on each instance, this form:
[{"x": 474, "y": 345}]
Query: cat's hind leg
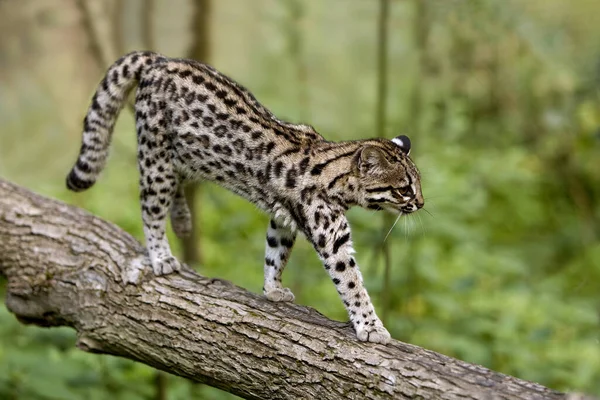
[
  {"x": 158, "y": 186},
  {"x": 181, "y": 217},
  {"x": 280, "y": 241}
]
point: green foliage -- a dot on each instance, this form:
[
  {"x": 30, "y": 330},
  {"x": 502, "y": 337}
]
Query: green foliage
[{"x": 503, "y": 269}]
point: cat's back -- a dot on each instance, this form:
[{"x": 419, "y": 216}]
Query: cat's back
[
  {"x": 219, "y": 131},
  {"x": 197, "y": 95}
]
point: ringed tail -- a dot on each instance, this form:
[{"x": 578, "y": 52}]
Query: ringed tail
[{"x": 109, "y": 99}]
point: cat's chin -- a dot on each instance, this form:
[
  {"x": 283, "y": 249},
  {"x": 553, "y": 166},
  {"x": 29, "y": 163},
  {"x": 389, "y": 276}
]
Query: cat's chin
[
  {"x": 389, "y": 209},
  {"x": 392, "y": 210}
]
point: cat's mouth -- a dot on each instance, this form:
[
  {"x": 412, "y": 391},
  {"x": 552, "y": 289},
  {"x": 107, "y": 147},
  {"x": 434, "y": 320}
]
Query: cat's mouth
[
  {"x": 409, "y": 209},
  {"x": 393, "y": 210}
]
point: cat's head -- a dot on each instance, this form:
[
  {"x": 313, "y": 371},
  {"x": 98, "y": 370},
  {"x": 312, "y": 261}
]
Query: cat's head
[{"x": 389, "y": 179}]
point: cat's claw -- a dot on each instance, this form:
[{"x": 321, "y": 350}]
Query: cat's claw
[
  {"x": 280, "y": 294},
  {"x": 165, "y": 265},
  {"x": 373, "y": 334}
]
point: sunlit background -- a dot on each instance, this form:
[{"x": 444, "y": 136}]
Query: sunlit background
[{"x": 500, "y": 98}]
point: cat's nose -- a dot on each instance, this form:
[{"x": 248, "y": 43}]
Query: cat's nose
[{"x": 420, "y": 203}]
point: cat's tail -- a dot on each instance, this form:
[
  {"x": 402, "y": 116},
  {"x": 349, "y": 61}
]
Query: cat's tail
[{"x": 109, "y": 99}]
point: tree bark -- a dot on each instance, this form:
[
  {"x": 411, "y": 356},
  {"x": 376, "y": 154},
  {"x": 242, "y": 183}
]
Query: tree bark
[{"x": 66, "y": 267}]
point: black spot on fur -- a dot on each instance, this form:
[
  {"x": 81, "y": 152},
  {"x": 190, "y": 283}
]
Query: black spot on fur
[
  {"x": 83, "y": 166},
  {"x": 339, "y": 242},
  {"x": 198, "y": 79},
  {"x": 220, "y": 131},
  {"x": 321, "y": 241},
  {"x": 270, "y": 147},
  {"x": 271, "y": 241},
  {"x": 239, "y": 167},
  {"x": 317, "y": 218},
  {"x": 303, "y": 165},
  {"x": 210, "y": 86},
  {"x": 76, "y": 184},
  {"x": 317, "y": 170},
  {"x": 287, "y": 242},
  {"x": 256, "y": 134},
  {"x": 197, "y": 112},
  {"x": 262, "y": 179},
  {"x": 290, "y": 180},
  {"x": 277, "y": 169},
  {"x": 229, "y": 102}
]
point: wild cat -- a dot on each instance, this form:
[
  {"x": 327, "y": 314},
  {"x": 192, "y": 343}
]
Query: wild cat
[{"x": 194, "y": 123}]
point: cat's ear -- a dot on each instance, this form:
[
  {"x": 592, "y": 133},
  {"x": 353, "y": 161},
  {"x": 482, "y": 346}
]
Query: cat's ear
[
  {"x": 371, "y": 159},
  {"x": 403, "y": 142}
]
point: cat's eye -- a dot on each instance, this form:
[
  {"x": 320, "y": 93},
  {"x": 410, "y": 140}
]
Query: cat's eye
[{"x": 404, "y": 190}]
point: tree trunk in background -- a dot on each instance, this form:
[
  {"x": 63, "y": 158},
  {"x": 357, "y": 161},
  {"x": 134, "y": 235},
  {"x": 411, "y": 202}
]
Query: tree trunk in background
[
  {"x": 380, "y": 121},
  {"x": 117, "y": 27},
  {"x": 66, "y": 267},
  {"x": 199, "y": 50},
  {"x": 97, "y": 51},
  {"x": 421, "y": 35},
  {"x": 294, "y": 30},
  {"x": 95, "y": 44},
  {"x": 147, "y": 13}
]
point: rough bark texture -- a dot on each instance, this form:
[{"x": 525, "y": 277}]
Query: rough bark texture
[{"x": 67, "y": 267}]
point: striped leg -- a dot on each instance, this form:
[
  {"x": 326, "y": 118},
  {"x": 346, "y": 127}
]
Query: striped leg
[{"x": 280, "y": 241}]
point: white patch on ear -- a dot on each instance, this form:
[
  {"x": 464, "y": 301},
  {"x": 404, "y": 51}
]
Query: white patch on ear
[
  {"x": 403, "y": 142},
  {"x": 398, "y": 141}
]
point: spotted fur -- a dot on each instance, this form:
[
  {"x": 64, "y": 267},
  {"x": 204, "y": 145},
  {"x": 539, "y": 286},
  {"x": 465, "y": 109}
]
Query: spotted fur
[{"x": 193, "y": 123}]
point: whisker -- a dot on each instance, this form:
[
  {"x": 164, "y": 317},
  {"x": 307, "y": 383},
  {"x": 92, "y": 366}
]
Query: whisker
[
  {"x": 422, "y": 226},
  {"x": 390, "y": 231},
  {"x": 427, "y": 211}
]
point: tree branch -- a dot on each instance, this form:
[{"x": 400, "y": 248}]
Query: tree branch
[{"x": 67, "y": 267}]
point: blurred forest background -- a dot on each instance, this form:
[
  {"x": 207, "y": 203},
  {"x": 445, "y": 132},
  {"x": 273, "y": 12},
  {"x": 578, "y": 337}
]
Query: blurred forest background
[{"x": 501, "y": 100}]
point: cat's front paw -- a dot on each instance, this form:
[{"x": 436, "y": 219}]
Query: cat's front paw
[
  {"x": 279, "y": 294},
  {"x": 165, "y": 265},
  {"x": 373, "y": 333}
]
